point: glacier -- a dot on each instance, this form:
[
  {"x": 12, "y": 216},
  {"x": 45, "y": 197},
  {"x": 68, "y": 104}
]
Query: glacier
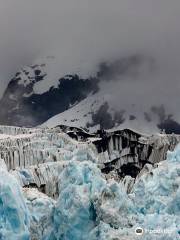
[
  {"x": 52, "y": 187},
  {"x": 89, "y": 207}
]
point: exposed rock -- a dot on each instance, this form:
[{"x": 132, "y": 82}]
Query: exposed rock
[{"x": 22, "y": 105}]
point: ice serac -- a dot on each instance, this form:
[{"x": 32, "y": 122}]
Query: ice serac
[
  {"x": 156, "y": 196},
  {"x": 125, "y": 152},
  {"x": 37, "y": 156},
  {"x": 90, "y": 207},
  {"x": 14, "y": 216},
  {"x": 87, "y": 202},
  {"x": 75, "y": 214},
  {"x": 41, "y": 208}
]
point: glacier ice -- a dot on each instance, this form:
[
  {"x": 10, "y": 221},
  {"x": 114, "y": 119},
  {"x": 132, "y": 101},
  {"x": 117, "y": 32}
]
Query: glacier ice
[
  {"x": 156, "y": 197},
  {"x": 41, "y": 208},
  {"x": 86, "y": 201},
  {"x": 14, "y": 215},
  {"x": 75, "y": 214},
  {"x": 89, "y": 207},
  {"x": 84, "y": 204}
]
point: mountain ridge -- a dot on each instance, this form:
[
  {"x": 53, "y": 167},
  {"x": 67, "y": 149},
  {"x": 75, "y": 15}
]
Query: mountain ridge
[{"x": 37, "y": 96}]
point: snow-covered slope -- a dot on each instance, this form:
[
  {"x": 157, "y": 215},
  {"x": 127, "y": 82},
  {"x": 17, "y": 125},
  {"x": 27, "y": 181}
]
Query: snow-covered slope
[
  {"x": 42, "y": 94},
  {"x": 96, "y": 111}
]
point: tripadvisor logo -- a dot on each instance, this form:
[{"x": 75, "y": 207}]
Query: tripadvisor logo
[{"x": 139, "y": 231}]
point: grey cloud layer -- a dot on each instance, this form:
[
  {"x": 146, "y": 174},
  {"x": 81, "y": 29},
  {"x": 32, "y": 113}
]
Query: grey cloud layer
[{"x": 93, "y": 31}]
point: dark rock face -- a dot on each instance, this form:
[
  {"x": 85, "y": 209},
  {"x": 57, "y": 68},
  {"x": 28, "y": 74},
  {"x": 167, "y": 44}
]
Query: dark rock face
[
  {"x": 20, "y": 106},
  {"x": 102, "y": 117},
  {"x": 123, "y": 151},
  {"x": 105, "y": 119},
  {"x": 170, "y": 125},
  {"x": 132, "y": 117},
  {"x": 127, "y": 155},
  {"x": 166, "y": 121},
  {"x": 147, "y": 117}
]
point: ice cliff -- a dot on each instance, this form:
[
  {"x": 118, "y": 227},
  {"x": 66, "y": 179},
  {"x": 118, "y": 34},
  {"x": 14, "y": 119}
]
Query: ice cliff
[{"x": 53, "y": 187}]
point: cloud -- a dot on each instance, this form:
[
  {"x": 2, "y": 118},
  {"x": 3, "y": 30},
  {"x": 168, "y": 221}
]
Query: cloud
[
  {"x": 84, "y": 33},
  {"x": 129, "y": 66}
]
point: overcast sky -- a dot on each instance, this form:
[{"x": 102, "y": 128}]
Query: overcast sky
[{"x": 89, "y": 31}]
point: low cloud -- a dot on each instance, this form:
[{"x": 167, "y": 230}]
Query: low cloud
[{"x": 136, "y": 43}]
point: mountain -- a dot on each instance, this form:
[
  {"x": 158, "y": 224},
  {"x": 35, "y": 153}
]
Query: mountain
[
  {"x": 41, "y": 95},
  {"x": 26, "y": 104},
  {"x": 65, "y": 183}
]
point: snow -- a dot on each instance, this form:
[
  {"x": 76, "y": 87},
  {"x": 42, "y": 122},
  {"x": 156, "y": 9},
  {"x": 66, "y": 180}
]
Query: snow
[
  {"x": 56, "y": 69},
  {"x": 138, "y": 114},
  {"x": 80, "y": 115},
  {"x": 24, "y": 79},
  {"x": 51, "y": 73},
  {"x": 51, "y": 69},
  {"x": 114, "y": 92}
]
